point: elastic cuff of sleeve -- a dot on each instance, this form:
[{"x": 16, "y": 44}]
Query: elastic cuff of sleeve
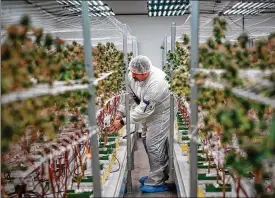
[
  {"x": 120, "y": 113},
  {"x": 124, "y": 120}
]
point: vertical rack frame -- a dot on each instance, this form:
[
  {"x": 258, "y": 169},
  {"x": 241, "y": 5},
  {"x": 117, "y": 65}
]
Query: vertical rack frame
[
  {"x": 165, "y": 50},
  {"x": 127, "y": 108},
  {"x": 91, "y": 102},
  {"x": 172, "y": 108},
  {"x": 193, "y": 97},
  {"x": 162, "y": 57},
  {"x": 134, "y": 50}
]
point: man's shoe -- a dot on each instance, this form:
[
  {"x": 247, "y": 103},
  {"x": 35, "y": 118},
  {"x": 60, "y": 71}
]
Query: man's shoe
[{"x": 142, "y": 179}]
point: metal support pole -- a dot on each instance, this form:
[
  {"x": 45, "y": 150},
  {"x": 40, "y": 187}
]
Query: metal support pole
[
  {"x": 193, "y": 96},
  {"x": 127, "y": 106},
  {"x": 135, "y": 147},
  {"x": 162, "y": 57},
  {"x": 172, "y": 116},
  {"x": 136, "y": 136},
  {"x": 91, "y": 103},
  {"x": 243, "y": 23},
  {"x": 165, "y": 49},
  {"x": 134, "y": 50}
]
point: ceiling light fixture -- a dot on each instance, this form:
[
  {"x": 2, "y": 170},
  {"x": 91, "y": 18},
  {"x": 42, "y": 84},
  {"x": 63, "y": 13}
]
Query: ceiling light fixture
[
  {"x": 96, "y": 7},
  {"x": 167, "y": 7},
  {"x": 100, "y": 3},
  {"x": 249, "y": 8},
  {"x": 76, "y": 2}
]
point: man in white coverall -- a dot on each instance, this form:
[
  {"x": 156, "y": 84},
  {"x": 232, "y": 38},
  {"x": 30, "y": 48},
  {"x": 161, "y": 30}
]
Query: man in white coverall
[{"x": 150, "y": 90}]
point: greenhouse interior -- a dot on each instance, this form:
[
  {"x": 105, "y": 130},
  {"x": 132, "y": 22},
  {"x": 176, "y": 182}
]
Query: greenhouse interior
[{"x": 148, "y": 98}]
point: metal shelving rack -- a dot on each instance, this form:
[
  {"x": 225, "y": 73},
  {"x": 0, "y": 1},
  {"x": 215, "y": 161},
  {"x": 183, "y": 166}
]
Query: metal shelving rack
[
  {"x": 60, "y": 87},
  {"x": 180, "y": 162},
  {"x": 193, "y": 96},
  {"x": 91, "y": 103},
  {"x": 193, "y": 105}
]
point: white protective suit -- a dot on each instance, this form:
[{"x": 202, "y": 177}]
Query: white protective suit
[{"x": 153, "y": 113}]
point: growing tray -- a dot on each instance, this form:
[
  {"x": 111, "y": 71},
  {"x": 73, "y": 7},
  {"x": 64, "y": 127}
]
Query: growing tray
[
  {"x": 201, "y": 166},
  {"x": 185, "y": 138},
  {"x": 87, "y": 179},
  {"x": 104, "y": 157},
  {"x": 105, "y": 150},
  {"x": 73, "y": 194},
  {"x": 203, "y": 176},
  {"x": 108, "y": 145},
  {"x": 181, "y": 127},
  {"x": 211, "y": 188},
  {"x": 110, "y": 139},
  {"x": 204, "y": 159}
]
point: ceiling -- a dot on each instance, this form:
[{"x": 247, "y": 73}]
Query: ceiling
[
  {"x": 61, "y": 22},
  {"x": 132, "y": 7},
  {"x": 256, "y": 25}
]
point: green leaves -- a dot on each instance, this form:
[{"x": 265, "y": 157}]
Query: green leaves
[
  {"x": 226, "y": 115},
  {"x": 238, "y": 163},
  {"x": 178, "y": 62},
  {"x": 25, "y": 20},
  {"x": 47, "y": 59}
]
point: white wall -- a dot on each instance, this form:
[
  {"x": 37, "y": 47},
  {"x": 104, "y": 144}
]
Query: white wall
[{"x": 150, "y": 33}]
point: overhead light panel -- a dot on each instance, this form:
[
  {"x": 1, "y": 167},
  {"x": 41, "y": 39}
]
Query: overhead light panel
[
  {"x": 167, "y": 7},
  {"x": 250, "y": 8},
  {"x": 76, "y": 2},
  {"x": 96, "y": 7},
  {"x": 71, "y": 2},
  {"x": 100, "y": 3}
]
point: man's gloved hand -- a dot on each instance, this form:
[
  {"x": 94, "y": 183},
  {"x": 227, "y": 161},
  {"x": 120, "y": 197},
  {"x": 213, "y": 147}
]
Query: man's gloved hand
[{"x": 117, "y": 123}]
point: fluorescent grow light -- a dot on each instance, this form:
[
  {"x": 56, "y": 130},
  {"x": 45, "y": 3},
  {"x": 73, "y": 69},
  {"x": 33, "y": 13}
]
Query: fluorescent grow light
[
  {"x": 96, "y": 7},
  {"x": 167, "y": 7},
  {"x": 250, "y": 8}
]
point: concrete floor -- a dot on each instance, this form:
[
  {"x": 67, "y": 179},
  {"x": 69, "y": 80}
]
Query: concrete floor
[{"x": 142, "y": 169}]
